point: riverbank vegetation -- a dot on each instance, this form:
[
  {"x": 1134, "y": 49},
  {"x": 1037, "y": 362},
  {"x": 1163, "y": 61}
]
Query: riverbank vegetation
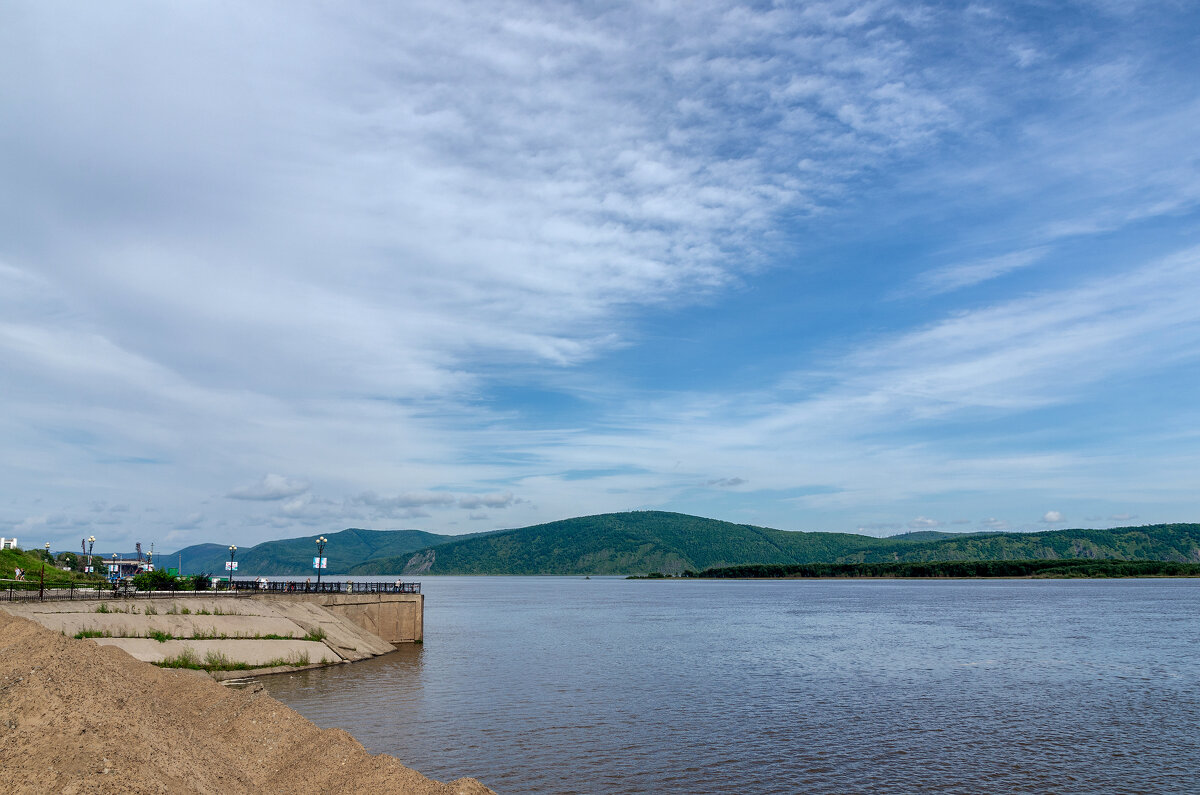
[
  {"x": 216, "y": 661},
  {"x": 963, "y": 569},
  {"x": 31, "y": 563}
]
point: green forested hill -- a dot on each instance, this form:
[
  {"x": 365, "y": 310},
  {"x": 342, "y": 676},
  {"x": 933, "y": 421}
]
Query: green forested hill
[
  {"x": 1174, "y": 542},
  {"x": 616, "y": 543},
  {"x": 645, "y": 541},
  {"x": 294, "y": 555}
]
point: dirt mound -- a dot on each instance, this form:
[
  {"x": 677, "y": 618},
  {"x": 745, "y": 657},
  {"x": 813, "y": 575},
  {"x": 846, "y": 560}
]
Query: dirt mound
[{"x": 80, "y": 718}]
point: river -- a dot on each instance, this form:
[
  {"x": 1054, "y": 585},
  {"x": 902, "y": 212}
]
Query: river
[{"x": 556, "y": 684}]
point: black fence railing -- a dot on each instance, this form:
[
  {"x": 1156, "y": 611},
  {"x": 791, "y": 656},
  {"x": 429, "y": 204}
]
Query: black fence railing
[
  {"x": 120, "y": 590},
  {"x": 239, "y": 588},
  {"x": 328, "y": 586}
]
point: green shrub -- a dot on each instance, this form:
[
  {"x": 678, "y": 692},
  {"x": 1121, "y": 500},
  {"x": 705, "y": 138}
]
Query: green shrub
[{"x": 157, "y": 580}]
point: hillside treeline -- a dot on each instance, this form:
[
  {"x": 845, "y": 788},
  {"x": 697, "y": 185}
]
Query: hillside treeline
[{"x": 963, "y": 568}]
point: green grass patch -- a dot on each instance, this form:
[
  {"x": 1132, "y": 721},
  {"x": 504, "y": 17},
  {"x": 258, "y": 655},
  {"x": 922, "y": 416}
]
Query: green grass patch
[
  {"x": 212, "y": 634},
  {"x": 31, "y": 562},
  {"x": 93, "y": 633},
  {"x": 216, "y": 661}
]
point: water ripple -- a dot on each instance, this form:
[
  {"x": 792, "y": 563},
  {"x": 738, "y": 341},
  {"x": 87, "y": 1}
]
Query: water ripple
[{"x": 611, "y": 686}]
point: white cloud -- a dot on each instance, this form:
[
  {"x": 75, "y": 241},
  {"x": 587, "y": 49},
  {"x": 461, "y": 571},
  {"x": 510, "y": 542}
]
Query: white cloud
[
  {"x": 190, "y": 522},
  {"x": 955, "y": 277},
  {"x": 270, "y": 487},
  {"x": 727, "y": 483},
  {"x": 924, "y": 523},
  {"x": 1052, "y": 517},
  {"x": 473, "y": 501},
  {"x": 402, "y": 506},
  {"x": 316, "y": 247}
]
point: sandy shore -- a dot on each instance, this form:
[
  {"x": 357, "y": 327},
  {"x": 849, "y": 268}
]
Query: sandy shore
[{"x": 78, "y": 718}]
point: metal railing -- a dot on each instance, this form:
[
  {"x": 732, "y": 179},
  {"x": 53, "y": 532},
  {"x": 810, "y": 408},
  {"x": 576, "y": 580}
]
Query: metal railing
[
  {"x": 238, "y": 588},
  {"x": 122, "y": 590},
  {"x": 296, "y": 586}
]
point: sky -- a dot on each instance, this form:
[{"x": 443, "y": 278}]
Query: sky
[{"x": 270, "y": 270}]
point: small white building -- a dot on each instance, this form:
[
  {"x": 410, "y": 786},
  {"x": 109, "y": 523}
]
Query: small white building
[{"x": 8, "y": 543}]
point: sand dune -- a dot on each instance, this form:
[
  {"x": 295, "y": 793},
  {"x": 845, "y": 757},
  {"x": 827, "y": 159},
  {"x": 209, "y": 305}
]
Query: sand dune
[{"x": 78, "y": 718}]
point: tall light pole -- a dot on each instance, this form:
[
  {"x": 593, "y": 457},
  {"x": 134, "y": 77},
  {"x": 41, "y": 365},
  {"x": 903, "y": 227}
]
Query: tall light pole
[
  {"x": 91, "y": 545},
  {"x": 232, "y": 552},
  {"x": 321, "y": 542},
  {"x": 47, "y": 550}
]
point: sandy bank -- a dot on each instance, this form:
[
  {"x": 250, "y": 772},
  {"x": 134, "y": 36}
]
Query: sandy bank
[{"x": 76, "y": 717}]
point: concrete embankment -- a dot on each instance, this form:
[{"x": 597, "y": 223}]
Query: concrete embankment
[
  {"x": 78, "y": 718},
  {"x": 267, "y": 633}
]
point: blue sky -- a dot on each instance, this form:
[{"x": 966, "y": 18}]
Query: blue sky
[{"x": 275, "y": 269}]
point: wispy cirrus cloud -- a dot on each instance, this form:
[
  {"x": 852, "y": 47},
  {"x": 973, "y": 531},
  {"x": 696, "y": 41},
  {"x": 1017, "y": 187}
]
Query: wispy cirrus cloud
[{"x": 955, "y": 277}]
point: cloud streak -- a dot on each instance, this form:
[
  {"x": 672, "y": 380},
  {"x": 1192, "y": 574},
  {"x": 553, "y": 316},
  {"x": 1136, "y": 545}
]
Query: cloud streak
[{"x": 271, "y": 487}]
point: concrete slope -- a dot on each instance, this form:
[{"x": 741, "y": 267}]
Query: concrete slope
[
  {"x": 349, "y": 640},
  {"x": 236, "y": 629},
  {"x": 251, "y": 652}
]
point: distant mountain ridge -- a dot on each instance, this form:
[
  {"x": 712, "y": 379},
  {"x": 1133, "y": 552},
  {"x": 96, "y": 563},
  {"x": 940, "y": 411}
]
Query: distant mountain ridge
[
  {"x": 640, "y": 542},
  {"x": 645, "y": 541},
  {"x": 345, "y": 549}
]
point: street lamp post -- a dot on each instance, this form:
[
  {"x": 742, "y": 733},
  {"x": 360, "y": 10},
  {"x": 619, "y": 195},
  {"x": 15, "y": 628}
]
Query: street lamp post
[
  {"x": 232, "y": 552},
  {"x": 91, "y": 545},
  {"x": 321, "y": 542},
  {"x": 47, "y": 550}
]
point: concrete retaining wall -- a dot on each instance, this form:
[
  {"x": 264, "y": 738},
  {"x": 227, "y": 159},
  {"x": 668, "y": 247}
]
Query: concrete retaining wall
[
  {"x": 350, "y": 626},
  {"x": 397, "y": 618}
]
